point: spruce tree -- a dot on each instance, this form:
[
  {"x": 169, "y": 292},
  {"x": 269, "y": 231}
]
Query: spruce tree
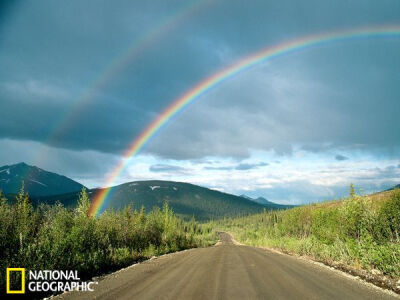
[{"x": 83, "y": 203}]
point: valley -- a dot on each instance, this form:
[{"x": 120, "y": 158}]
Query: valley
[{"x": 146, "y": 219}]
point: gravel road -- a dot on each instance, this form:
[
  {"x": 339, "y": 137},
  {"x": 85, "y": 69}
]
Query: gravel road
[{"x": 229, "y": 271}]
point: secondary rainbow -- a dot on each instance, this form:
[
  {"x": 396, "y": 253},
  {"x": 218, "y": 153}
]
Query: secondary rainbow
[
  {"x": 100, "y": 200},
  {"x": 117, "y": 65}
]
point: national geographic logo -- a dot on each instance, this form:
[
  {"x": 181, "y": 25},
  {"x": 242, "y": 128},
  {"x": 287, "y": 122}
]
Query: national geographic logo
[
  {"x": 9, "y": 283},
  {"x": 47, "y": 281}
]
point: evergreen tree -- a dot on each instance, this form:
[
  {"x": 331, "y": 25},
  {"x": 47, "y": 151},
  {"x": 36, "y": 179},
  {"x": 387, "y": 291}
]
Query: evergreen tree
[
  {"x": 352, "y": 190},
  {"x": 23, "y": 212},
  {"x": 3, "y": 199},
  {"x": 83, "y": 203}
]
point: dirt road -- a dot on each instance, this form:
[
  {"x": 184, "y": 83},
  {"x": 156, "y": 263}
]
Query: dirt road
[{"x": 229, "y": 271}]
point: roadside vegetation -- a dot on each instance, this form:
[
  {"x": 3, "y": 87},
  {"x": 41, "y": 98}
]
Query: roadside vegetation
[
  {"x": 56, "y": 238},
  {"x": 362, "y": 232}
]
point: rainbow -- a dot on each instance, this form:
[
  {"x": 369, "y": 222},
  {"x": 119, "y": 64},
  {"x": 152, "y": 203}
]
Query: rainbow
[{"x": 99, "y": 201}]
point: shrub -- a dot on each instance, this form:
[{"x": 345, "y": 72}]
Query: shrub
[
  {"x": 354, "y": 231},
  {"x": 53, "y": 237}
]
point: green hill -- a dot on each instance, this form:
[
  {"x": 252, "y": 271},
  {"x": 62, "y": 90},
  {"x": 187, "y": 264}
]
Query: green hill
[{"x": 186, "y": 199}]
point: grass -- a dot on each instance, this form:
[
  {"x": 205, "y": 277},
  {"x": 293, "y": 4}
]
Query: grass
[{"x": 361, "y": 232}]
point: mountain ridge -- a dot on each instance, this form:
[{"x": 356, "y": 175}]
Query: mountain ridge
[
  {"x": 186, "y": 199},
  {"x": 266, "y": 202},
  {"x": 37, "y": 182}
]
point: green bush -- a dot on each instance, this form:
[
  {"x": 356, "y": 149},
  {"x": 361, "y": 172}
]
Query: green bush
[
  {"x": 354, "y": 231},
  {"x": 53, "y": 237},
  {"x": 390, "y": 217}
]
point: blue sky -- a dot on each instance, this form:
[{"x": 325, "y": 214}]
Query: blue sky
[{"x": 296, "y": 129}]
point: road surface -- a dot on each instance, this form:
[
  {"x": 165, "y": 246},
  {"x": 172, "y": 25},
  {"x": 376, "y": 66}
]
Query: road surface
[{"x": 229, "y": 271}]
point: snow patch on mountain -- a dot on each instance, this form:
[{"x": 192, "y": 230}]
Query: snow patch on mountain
[
  {"x": 38, "y": 182},
  {"x": 5, "y": 170}
]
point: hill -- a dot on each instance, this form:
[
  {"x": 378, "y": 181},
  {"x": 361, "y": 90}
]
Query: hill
[
  {"x": 185, "y": 199},
  {"x": 37, "y": 182}
]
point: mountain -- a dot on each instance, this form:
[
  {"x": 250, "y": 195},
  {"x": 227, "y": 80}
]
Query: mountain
[
  {"x": 262, "y": 200},
  {"x": 37, "y": 182},
  {"x": 267, "y": 203},
  {"x": 186, "y": 199},
  {"x": 246, "y": 197},
  {"x": 259, "y": 200},
  {"x": 390, "y": 189}
]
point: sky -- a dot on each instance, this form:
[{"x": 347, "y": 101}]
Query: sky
[{"x": 80, "y": 80}]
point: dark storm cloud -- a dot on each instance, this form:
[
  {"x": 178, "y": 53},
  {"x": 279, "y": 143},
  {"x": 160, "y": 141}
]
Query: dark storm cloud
[
  {"x": 341, "y": 157},
  {"x": 271, "y": 109},
  {"x": 66, "y": 48},
  {"x": 83, "y": 166},
  {"x": 7, "y": 10},
  {"x": 340, "y": 96}
]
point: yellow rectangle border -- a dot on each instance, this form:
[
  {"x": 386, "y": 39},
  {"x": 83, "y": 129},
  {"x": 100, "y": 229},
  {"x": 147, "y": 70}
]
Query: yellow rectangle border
[{"x": 22, "y": 290}]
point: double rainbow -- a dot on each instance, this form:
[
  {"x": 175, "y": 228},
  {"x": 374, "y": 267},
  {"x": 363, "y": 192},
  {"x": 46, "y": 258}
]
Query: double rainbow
[{"x": 100, "y": 200}]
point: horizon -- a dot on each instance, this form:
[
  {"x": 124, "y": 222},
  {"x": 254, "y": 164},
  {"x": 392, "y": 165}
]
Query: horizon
[
  {"x": 106, "y": 187},
  {"x": 297, "y": 128},
  {"x": 244, "y": 195}
]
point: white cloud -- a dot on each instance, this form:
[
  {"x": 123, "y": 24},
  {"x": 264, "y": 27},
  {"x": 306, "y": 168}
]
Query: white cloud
[{"x": 300, "y": 178}]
